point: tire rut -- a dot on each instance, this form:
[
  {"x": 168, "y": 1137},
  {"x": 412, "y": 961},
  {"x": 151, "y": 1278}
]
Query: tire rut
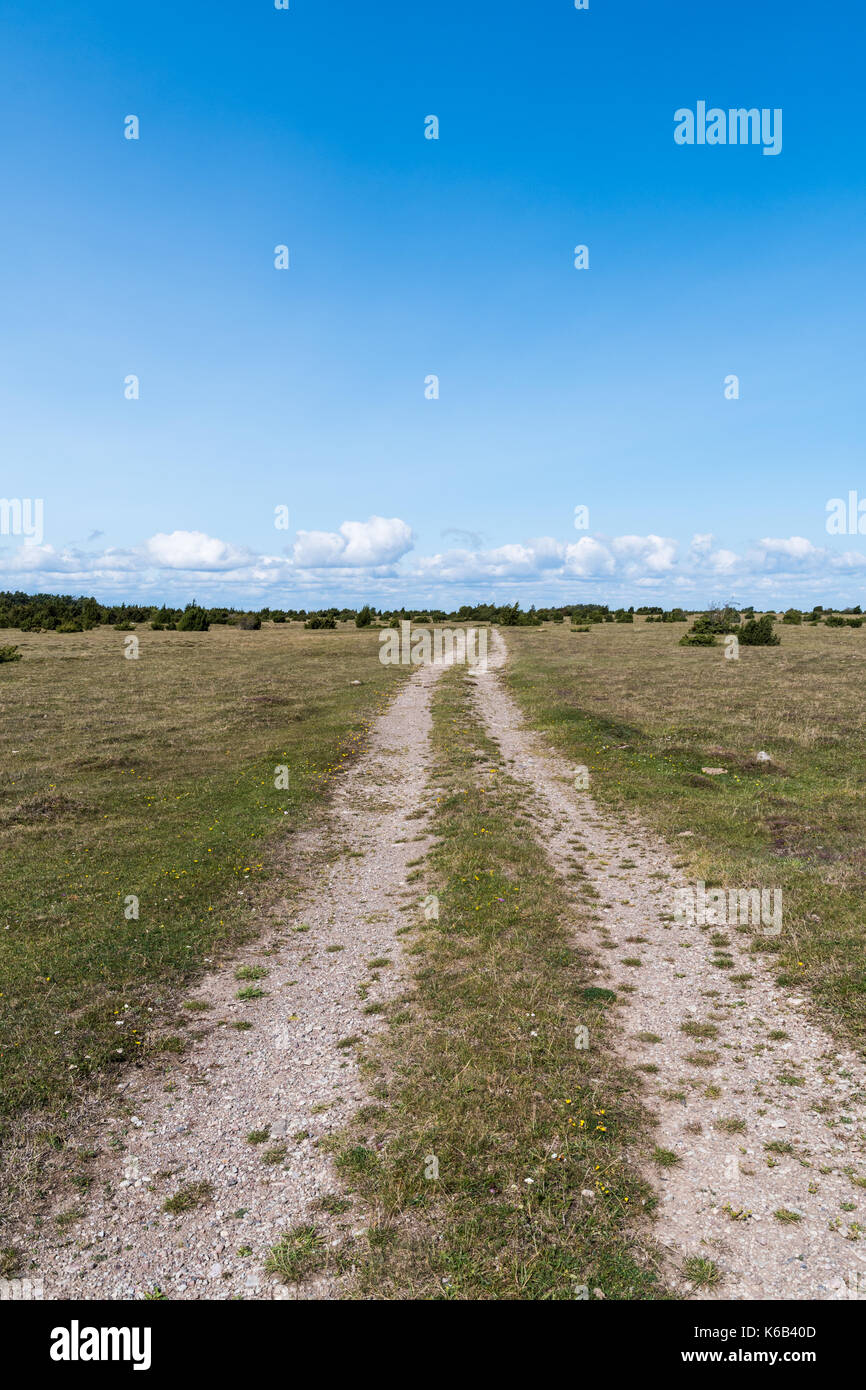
[
  {"x": 292, "y": 1074},
  {"x": 780, "y": 1222}
]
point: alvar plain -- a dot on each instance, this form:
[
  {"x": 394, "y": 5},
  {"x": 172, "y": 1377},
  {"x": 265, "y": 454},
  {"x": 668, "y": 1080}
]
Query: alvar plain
[{"x": 153, "y": 780}]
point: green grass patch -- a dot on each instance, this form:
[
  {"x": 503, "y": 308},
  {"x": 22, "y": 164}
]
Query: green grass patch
[
  {"x": 150, "y": 779},
  {"x": 196, "y": 1194}
]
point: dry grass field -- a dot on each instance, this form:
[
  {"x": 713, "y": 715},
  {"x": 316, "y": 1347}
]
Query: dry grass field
[
  {"x": 646, "y": 715},
  {"x": 155, "y": 779}
]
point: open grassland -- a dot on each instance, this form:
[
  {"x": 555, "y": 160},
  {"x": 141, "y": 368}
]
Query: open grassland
[
  {"x": 494, "y": 1161},
  {"x": 645, "y": 716},
  {"x": 154, "y": 779}
]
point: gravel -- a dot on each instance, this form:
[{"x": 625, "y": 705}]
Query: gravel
[
  {"x": 287, "y": 1074},
  {"x": 719, "y": 1201}
]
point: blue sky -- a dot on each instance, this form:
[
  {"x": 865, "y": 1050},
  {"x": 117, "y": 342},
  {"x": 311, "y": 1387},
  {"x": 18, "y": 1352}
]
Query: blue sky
[{"x": 409, "y": 257}]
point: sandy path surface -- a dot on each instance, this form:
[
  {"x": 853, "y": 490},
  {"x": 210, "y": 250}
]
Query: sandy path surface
[
  {"x": 287, "y": 1074},
  {"x": 803, "y": 1090}
]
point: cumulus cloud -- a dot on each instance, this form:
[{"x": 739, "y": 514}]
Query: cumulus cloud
[
  {"x": 357, "y": 545},
  {"x": 48, "y": 560},
  {"x": 193, "y": 550},
  {"x": 645, "y": 554},
  {"x": 375, "y": 558},
  {"x": 502, "y": 562},
  {"x": 702, "y": 557},
  {"x": 588, "y": 557}
]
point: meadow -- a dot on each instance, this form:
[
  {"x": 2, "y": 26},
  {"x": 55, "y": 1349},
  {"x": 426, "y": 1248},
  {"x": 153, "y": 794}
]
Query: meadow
[
  {"x": 150, "y": 780},
  {"x": 645, "y": 716}
]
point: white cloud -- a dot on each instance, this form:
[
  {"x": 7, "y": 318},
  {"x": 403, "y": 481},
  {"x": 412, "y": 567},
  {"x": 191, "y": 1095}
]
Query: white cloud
[
  {"x": 315, "y": 549},
  {"x": 359, "y": 544},
  {"x": 723, "y": 561},
  {"x": 373, "y": 559},
  {"x": 461, "y": 566},
  {"x": 645, "y": 553},
  {"x": 588, "y": 557},
  {"x": 193, "y": 550}
]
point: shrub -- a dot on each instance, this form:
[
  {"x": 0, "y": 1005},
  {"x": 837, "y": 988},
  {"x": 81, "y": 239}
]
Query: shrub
[
  {"x": 10, "y": 654},
  {"x": 317, "y": 622},
  {"x": 193, "y": 619},
  {"x": 834, "y": 621},
  {"x": 853, "y": 622},
  {"x": 697, "y": 639},
  {"x": 249, "y": 622},
  {"x": 364, "y": 617},
  {"x": 758, "y": 632},
  {"x": 718, "y": 620},
  {"x": 793, "y": 615}
]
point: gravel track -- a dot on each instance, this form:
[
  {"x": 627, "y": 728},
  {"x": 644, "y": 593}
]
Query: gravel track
[
  {"x": 719, "y": 1201},
  {"x": 287, "y": 1074}
]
